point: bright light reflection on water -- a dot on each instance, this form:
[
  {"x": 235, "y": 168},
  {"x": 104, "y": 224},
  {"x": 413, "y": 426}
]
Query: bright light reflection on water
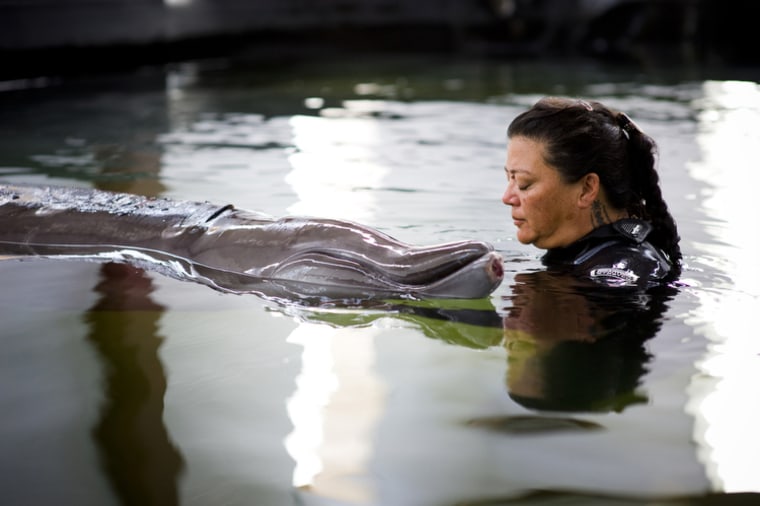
[
  {"x": 332, "y": 174},
  {"x": 333, "y": 171},
  {"x": 725, "y": 400}
]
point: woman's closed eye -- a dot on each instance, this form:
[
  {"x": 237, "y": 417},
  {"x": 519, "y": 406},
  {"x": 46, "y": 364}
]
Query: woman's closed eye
[{"x": 523, "y": 185}]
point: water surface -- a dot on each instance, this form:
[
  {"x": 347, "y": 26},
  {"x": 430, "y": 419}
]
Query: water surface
[{"x": 125, "y": 386}]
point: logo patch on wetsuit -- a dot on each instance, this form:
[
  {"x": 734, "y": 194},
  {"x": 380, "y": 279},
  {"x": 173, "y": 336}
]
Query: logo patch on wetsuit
[{"x": 615, "y": 274}]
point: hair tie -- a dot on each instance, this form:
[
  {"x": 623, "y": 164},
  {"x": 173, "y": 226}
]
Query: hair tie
[{"x": 627, "y": 125}]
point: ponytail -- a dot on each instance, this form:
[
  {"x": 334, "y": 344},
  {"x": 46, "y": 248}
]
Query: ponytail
[{"x": 645, "y": 198}]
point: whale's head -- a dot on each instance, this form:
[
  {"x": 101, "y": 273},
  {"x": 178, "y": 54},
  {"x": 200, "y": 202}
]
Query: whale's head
[
  {"x": 463, "y": 270},
  {"x": 473, "y": 280}
]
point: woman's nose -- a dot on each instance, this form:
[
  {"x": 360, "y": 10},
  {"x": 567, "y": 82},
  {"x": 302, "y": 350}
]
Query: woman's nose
[{"x": 509, "y": 198}]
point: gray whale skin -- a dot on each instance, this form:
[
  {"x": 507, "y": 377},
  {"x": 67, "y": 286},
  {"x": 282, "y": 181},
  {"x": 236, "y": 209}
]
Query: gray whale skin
[{"x": 240, "y": 251}]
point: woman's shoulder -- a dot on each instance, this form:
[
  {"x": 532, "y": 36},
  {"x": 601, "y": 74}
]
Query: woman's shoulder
[{"x": 616, "y": 254}]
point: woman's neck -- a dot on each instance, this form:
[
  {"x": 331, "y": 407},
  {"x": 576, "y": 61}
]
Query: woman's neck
[{"x": 604, "y": 214}]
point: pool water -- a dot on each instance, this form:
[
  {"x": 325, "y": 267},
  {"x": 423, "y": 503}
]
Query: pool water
[{"x": 123, "y": 386}]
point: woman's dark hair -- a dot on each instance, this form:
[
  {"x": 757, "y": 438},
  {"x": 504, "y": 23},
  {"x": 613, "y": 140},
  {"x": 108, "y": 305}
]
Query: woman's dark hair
[{"x": 582, "y": 137}]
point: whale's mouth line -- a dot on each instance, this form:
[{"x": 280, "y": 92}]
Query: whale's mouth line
[
  {"x": 404, "y": 274},
  {"x": 492, "y": 269},
  {"x": 480, "y": 272}
]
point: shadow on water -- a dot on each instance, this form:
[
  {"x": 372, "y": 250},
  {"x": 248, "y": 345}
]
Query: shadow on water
[{"x": 137, "y": 455}]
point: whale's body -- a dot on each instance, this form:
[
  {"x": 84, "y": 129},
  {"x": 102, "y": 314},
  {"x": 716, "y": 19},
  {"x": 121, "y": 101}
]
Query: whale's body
[{"x": 240, "y": 251}]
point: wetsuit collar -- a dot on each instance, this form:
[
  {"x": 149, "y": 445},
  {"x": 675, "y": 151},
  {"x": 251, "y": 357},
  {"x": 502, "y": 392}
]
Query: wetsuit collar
[{"x": 627, "y": 229}]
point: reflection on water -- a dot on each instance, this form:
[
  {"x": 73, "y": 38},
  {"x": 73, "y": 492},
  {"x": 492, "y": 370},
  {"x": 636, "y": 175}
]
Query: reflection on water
[
  {"x": 531, "y": 425},
  {"x": 337, "y": 379},
  {"x": 347, "y": 175},
  {"x": 138, "y": 457},
  {"x": 576, "y": 348},
  {"x": 569, "y": 348},
  {"x": 140, "y": 460},
  {"x": 468, "y": 323},
  {"x": 724, "y": 398},
  {"x": 334, "y": 411}
]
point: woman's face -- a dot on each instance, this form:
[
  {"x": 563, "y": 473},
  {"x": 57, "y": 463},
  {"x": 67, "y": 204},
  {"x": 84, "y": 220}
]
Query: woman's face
[{"x": 545, "y": 209}]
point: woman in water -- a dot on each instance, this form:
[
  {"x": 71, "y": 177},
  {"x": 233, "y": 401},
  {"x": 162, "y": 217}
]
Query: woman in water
[{"x": 582, "y": 184}]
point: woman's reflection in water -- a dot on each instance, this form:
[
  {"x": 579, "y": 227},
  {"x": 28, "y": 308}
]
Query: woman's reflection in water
[
  {"x": 579, "y": 348},
  {"x": 140, "y": 461}
]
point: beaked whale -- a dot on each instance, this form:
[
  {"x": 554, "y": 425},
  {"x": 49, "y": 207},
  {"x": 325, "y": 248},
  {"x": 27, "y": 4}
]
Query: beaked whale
[{"x": 240, "y": 251}]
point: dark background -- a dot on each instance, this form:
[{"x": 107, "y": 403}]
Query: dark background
[{"x": 59, "y": 37}]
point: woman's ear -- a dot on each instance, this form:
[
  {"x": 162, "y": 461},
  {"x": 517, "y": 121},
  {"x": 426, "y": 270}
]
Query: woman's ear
[{"x": 590, "y": 186}]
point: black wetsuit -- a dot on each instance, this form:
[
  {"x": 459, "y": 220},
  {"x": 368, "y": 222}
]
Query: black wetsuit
[{"x": 614, "y": 255}]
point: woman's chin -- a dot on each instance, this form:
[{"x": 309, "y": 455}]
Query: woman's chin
[{"x": 525, "y": 238}]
